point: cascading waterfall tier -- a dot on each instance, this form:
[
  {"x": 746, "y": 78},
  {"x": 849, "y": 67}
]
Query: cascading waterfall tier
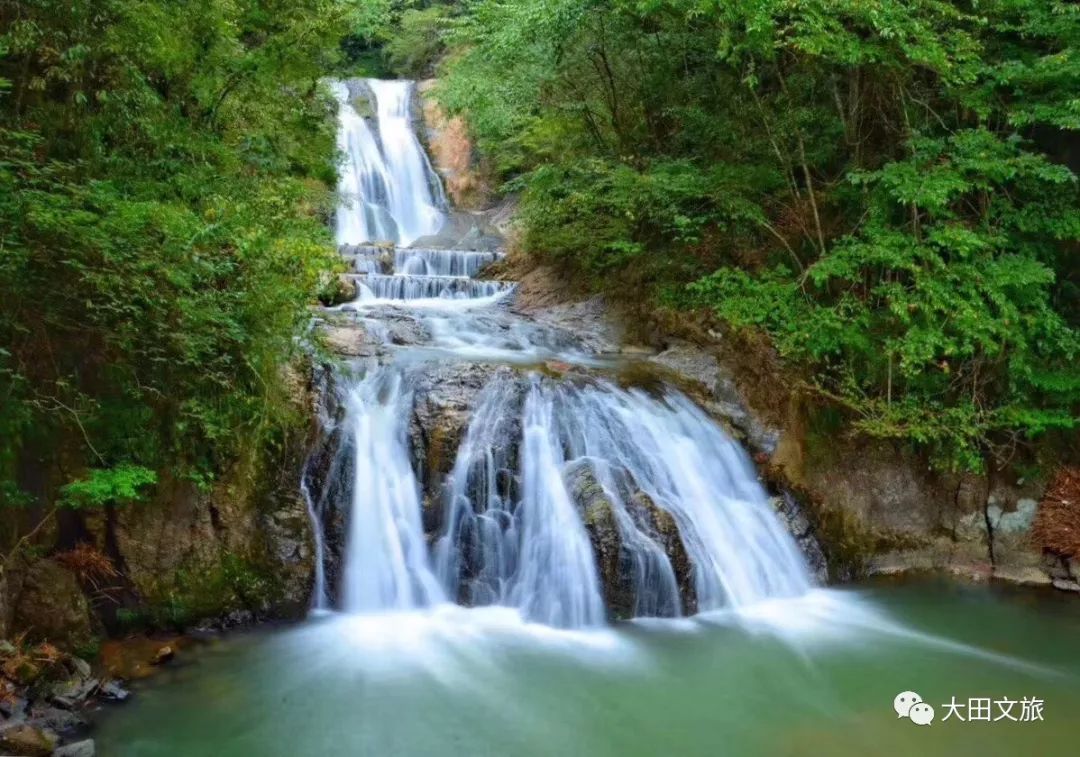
[
  {"x": 567, "y": 497},
  {"x": 637, "y": 464},
  {"x": 377, "y": 286},
  {"x": 387, "y": 187}
]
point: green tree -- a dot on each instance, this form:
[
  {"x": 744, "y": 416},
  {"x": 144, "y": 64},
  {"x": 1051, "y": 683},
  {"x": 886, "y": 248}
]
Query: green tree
[
  {"x": 165, "y": 175},
  {"x": 884, "y": 187}
]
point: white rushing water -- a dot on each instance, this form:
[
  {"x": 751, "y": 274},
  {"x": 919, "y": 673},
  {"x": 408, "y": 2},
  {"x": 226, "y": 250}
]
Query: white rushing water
[
  {"x": 546, "y": 468},
  {"x": 525, "y": 545},
  {"x": 669, "y": 450},
  {"x": 320, "y": 600},
  {"x": 386, "y": 561},
  {"x": 387, "y": 187}
]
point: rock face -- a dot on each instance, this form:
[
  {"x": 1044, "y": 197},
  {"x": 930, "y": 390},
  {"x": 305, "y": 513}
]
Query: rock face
[
  {"x": 721, "y": 396},
  {"x": 452, "y": 153},
  {"x": 614, "y": 562},
  {"x": 50, "y": 604},
  {"x": 443, "y": 400},
  {"x": 787, "y": 507},
  {"x": 187, "y": 556}
]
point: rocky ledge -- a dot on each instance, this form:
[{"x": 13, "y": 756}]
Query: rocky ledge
[{"x": 45, "y": 697}]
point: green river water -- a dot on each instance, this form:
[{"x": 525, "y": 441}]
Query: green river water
[{"x": 815, "y": 676}]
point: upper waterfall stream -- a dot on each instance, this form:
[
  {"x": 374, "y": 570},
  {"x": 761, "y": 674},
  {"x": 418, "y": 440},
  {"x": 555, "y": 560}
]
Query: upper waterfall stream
[{"x": 388, "y": 190}]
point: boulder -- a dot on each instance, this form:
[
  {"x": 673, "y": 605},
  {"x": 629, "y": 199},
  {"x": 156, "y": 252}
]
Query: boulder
[
  {"x": 51, "y": 605},
  {"x": 614, "y": 562},
  {"x": 612, "y": 565},
  {"x": 338, "y": 289},
  {"x": 55, "y": 719},
  {"x": 27, "y": 740},
  {"x": 112, "y": 691},
  {"x": 443, "y": 400},
  {"x": 660, "y": 525}
]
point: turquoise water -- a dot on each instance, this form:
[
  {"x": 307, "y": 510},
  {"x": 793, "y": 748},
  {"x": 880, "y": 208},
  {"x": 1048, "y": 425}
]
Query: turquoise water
[{"x": 808, "y": 677}]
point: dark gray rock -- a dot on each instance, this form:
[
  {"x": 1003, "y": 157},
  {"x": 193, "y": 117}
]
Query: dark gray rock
[
  {"x": 51, "y": 605},
  {"x": 797, "y": 523},
  {"x": 699, "y": 365},
  {"x": 55, "y": 719}
]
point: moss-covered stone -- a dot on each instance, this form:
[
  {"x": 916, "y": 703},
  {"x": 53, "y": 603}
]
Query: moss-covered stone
[{"x": 51, "y": 605}]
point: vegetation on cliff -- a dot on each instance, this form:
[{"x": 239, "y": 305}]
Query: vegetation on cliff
[
  {"x": 165, "y": 179},
  {"x": 886, "y": 188}
]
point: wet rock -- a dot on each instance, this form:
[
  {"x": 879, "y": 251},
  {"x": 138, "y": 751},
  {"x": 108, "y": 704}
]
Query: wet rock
[
  {"x": 660, "y": 525},
  {"x": 51, "y": 605},
  {"x": 799, "y": 526},
  {"x": 401, "y": 327},
  {"x": 612, "y": 565},
  {"x": 113, "y": 691},
  {"x": 726, "y": 402},
  {"x": 84, "y": 748},
  {"x": 588, "y": 323},
  {"x": 443, "y": 400},
  {"x": 55, "y": 719},
  {"x": 614, "y": 562},
  {"x": 339, "y": 289},
  {"x": 28, "y": 740},
  {"x": 72, "y": 693},
  {"x": 348, "y": 341},
  {"x": 1062, "y": 585}
]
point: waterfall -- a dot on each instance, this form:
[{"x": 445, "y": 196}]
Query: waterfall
[
  {"x": 668, "y": 449},
  {"x": 386, "y": 561},
  {"x": 569, "y": 497},
  {"x": 375, "y": 286},
  {"x": 524, "y": 544},
  {"x": 556, "y": 581},
  {"x": 388, "y": 190}
]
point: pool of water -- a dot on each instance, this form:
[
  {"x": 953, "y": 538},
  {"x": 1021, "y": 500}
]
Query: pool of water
[{"x": 806, "y": 677}]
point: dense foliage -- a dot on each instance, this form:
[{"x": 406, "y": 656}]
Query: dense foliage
[
  {"x": 885, "y": 187},
  {"x": 165, "y": 170}
]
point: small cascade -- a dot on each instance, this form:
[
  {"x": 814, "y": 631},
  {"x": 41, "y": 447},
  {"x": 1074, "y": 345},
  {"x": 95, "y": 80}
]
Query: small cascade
[
  {"x": 441, "y": 262},
  {"x": 388, "y": 189},
  {"x": 479, "y": 543},
  {"x": 320, "y": 599},
  {"x": 556, "y": 581},
  {"x": 670, "y": 451},
  {"x": 386, "y": 562},
  {"x": 376, "y": 286}
]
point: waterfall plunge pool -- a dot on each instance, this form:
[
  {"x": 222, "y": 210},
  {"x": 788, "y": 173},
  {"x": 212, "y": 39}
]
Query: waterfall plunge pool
[{"x": 811, "y": 676}]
